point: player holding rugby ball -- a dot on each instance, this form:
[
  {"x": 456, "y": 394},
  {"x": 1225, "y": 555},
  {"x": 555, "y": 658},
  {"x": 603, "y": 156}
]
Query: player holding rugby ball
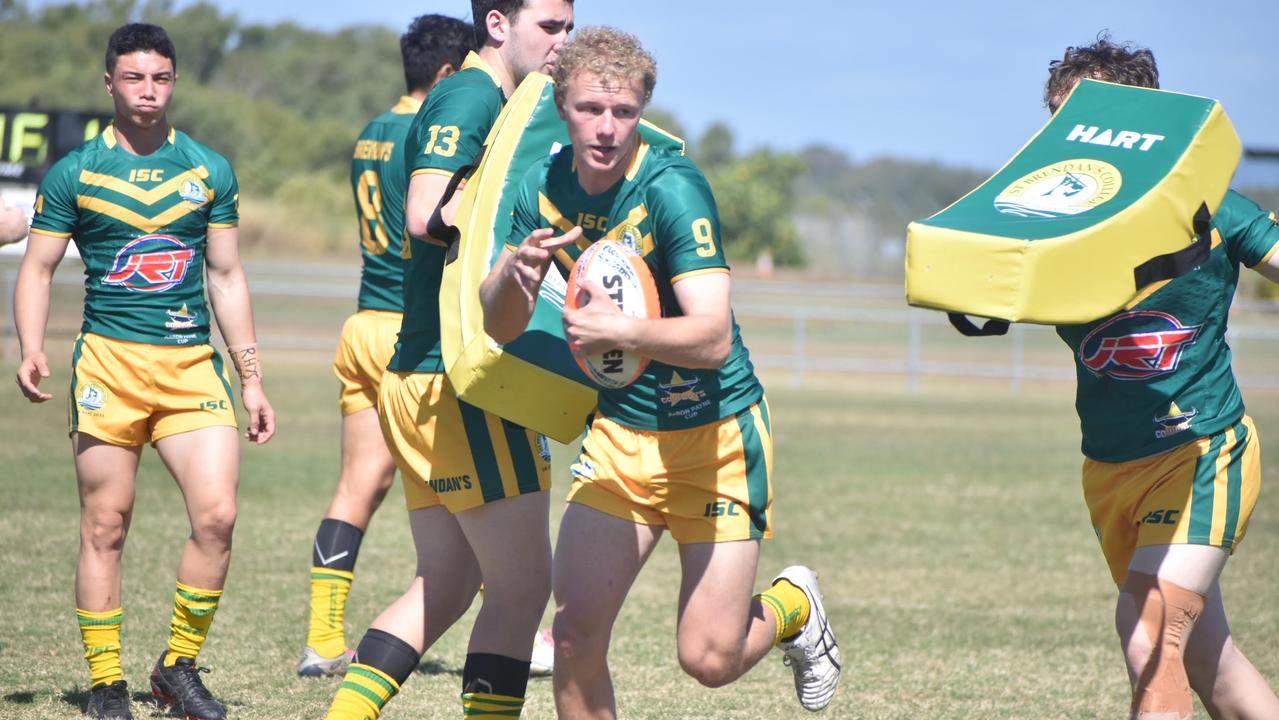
[{"x": 687, "y": 446}]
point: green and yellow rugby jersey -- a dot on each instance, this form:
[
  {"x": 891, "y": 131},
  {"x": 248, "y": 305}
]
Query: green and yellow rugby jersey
[
  {"x": 379, "y": 182},
  {"x": 664, "y": 209},
  {"x": 447, "y": 135},
  {"x": 140, "y": 223},
  {"x": 1157, "y": 375}
]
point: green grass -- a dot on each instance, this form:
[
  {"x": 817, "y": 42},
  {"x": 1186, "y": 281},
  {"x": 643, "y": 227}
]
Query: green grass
[{"x": 959, "y": 567}]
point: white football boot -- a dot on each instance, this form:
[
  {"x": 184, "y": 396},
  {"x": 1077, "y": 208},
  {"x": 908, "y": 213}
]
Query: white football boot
[
  {"x": 812, "y": 655},
  {"x": 542, "y": 663}
]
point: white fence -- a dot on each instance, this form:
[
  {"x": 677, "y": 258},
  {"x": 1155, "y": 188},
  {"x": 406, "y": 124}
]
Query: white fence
[{"x": 796, "y": 322}]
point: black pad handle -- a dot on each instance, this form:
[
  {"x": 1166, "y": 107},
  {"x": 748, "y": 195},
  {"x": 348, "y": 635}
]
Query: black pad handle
[
  {"x": 967, "y": 328},
  {"x": 439, "y": 230},
  {"x": 1175, "y": 264}
]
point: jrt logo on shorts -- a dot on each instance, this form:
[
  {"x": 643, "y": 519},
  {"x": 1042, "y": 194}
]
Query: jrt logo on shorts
[
  {"x": 152, "y": 263},
  {"x": 1137, "y": 345}
]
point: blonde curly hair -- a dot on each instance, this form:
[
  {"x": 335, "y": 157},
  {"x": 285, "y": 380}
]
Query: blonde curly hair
[{"x": 614, "y": 56}]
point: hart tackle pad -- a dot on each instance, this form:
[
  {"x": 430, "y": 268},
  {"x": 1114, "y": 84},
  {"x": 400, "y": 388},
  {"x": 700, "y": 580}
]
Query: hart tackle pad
[
  {"x": 1098, "y": 204},
  {"x": 534, "y": 380}
]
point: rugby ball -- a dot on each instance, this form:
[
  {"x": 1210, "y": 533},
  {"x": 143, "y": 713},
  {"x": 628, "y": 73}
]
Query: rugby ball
[{"x": 625, "y": 277}]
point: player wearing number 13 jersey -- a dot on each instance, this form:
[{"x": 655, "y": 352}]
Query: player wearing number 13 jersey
[{"x": 474, "y": 484}]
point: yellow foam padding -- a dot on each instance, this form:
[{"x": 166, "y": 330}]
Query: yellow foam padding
[
  {"x": 1075, "y": 264},
  {"x": 542, "y": 389}
]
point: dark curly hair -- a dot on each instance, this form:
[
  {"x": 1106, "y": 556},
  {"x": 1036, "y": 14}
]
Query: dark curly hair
[
  {"x": 430, "y": 43},
  {"x": 139, "y": 37},
  {"x": 1125, "y": 64}
]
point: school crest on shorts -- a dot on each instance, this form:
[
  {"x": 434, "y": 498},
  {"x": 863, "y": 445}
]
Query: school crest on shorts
[{"x": 92, "y": 396}]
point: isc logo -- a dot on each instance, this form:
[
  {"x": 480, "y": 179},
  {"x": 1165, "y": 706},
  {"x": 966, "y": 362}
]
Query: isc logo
[
  {"x": 152, "y": 263},
  {"x": 721, "y": 508},
  {"x": 1161, "y": 517},
  {"x": 1125, "y": 139}
]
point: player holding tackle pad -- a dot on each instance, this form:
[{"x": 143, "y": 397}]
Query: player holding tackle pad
[{"x": 687, "y": 446}]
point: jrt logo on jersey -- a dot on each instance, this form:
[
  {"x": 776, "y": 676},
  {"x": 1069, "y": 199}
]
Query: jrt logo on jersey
[
  {"x": 92, "y": 396},
  {"x": 1174, "y": 422},
  {"x": 679, "y": 390},
  {"x": 152, "y": 263},
  {"x": 1137, "y": 345},
  {"x": 181, "y": 319}
]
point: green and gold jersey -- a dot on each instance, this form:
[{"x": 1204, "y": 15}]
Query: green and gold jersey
[
  {"x": 663, "y": 208},
  {"x": 1157, "y": 375},
  {"x": 140, "y": 223},
  {"x": 379, "y": 182},
  {"x": 447, "y": 135}
]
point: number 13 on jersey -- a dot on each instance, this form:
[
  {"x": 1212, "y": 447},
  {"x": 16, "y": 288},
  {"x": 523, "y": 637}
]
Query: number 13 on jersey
[{"x": 443, "y": 140}]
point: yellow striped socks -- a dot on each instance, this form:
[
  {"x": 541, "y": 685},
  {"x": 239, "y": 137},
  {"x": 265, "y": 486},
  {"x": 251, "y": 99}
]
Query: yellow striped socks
[
  {"x": 364, "y": 692},
  {"x": 789, "y": 606},
  {"x": 193, "y": 610},
  {"x": 329, "y": 588},
  {"x": 486, "y": 706},
  {"x": 100, "y": 632}
]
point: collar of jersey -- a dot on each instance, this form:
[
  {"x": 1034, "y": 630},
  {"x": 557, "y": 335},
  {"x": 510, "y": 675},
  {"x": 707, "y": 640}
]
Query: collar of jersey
[
  {"x": 108, "y": 137},
  {"x": 473, "y": 60},
  {"x": 407, "y": 106}
]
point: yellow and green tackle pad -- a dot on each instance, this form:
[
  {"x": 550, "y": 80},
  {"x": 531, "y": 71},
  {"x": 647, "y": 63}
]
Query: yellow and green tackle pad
[
  {"x": 532, "y": 381},
  {"x": 1094, "y": 207}
]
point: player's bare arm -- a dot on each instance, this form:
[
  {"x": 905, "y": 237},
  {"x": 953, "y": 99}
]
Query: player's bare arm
[
  {"x": 31, "y": 310},
  {"x": 1270, "y": 267},
  {"x": 229, "y": 296},
  {"x": 425, "y": 191},
  {"x": 509, "y": 293},
  {"x": 701, "y": 338}
]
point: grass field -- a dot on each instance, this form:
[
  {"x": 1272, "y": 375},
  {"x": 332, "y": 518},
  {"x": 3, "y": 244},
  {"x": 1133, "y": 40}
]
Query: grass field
[{"x": 956, "y": 557}]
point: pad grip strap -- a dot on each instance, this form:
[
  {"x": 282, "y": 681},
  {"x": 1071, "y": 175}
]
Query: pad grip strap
[{"x": 1175, "y": 264}]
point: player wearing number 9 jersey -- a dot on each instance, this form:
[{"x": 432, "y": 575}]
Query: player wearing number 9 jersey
[
  {"x": 431, "y": 49},
  {"x": 688, "y": 446}
]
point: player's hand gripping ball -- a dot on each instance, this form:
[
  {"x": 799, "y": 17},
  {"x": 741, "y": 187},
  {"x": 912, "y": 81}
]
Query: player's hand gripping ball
[{"x": 625, "y": 277}]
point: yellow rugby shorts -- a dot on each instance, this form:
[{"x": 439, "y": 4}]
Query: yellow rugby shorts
[
  {"x": 1201, "y": 493},
  {"x": 128, "y": 393},
  {"x": 707, "y": 484},
  {"x": 367, "y": 344},
  {"x": 454, "y": 454}
]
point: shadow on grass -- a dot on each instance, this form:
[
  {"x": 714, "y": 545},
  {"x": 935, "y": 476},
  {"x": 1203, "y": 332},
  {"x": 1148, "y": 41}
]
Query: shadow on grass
[
  {"x": 79, "y": 698},
  {"x": 20, "y": 698},
  {"x": 435, "y": 667}
]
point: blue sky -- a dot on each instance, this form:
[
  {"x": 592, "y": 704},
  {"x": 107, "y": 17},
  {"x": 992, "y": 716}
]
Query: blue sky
[{"x": 948, "y": 81}]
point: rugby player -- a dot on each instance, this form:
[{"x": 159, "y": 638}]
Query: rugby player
[
  {"x": 475, "y": 485},
  {"x": 1172, "y": 462},
  {"x": 688, "y": 446},
  {"x": 148, "y": 208},
  {"x": 432, "y": 48},
  {"x": 13, "y": 224}
]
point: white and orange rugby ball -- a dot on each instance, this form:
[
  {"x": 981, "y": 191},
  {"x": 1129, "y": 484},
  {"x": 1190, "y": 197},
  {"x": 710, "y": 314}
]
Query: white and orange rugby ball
[{"x": 625, "y": 276}]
